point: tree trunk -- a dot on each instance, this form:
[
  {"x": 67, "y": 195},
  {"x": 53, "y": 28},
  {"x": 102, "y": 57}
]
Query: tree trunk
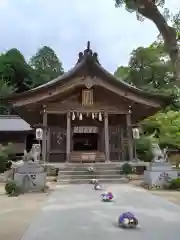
[{"x": 168, "y": 33}]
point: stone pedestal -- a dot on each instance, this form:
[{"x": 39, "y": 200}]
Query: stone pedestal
[
  {"x": 30, "y": 177},
  {"x": 158, "y": 174}
]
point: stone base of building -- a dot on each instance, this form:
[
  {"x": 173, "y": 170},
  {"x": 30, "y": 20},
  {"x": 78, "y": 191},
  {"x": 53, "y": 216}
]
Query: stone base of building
[{"x": 159, "y": 174}]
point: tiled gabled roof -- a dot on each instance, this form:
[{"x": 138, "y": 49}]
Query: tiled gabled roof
[
  {"x": 89, "y": 60},
  {"x": 13, "y": 123}
]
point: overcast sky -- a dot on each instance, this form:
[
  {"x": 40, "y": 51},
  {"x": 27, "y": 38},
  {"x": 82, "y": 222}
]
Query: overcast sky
[{"x": 66, "y": 26}]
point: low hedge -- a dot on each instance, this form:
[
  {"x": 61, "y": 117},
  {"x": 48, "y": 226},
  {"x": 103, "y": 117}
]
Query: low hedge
[
  {"x": 126, "y": 169},
  {"x": 174, "y": 184},
  {"x": 12, "y": 189}
]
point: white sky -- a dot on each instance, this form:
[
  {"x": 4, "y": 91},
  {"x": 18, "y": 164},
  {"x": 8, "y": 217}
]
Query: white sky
[{"x": 66, "y": 26}]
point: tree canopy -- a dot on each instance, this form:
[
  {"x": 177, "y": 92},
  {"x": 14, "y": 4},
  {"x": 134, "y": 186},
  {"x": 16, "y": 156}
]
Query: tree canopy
[
  {"x": 15, "y": 71},
  {"x": 148, "y": 69},
  {"x": 166, "y": 127},
  {"x": 149, "y": 9},
  {"x": 16, "y": 75},
  {"x": 5, "y": 90},
  {"x": 46, "y": 65}
]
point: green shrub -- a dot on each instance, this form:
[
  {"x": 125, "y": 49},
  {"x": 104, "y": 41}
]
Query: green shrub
[
  {"x": 3, "y": 158},
  {"x": 174, "y": 184},
  {"x": 12, "y": 189},
  {"x": 143, "y": 149},
  {"x": 126, "y": 168}
]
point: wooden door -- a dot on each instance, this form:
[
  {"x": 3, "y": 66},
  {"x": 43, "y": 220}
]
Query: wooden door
[
  {"x": 115, "y": 143},
  {"x": 57, "y": 144}
]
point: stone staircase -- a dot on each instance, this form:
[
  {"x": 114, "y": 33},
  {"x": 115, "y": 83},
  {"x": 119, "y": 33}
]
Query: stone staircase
[
  {"x": 87, "y": 157},
  {"x": 78, "y": 173}
]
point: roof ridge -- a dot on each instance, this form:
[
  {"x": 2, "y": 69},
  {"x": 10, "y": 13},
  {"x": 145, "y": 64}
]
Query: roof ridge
[{"x": 10, "y": 116}]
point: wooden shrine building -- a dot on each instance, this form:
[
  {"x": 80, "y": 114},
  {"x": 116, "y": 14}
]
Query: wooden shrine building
[{"x": 86, "y": 114}]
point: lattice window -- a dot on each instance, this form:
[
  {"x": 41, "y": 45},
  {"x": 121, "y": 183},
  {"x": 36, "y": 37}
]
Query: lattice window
[
  {"x": 87, "y": 97},
  {"x": 57, "y": 139}
]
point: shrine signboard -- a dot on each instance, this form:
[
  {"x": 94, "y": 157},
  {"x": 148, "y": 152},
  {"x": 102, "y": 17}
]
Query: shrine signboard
[{"x": 85, "y": 129}]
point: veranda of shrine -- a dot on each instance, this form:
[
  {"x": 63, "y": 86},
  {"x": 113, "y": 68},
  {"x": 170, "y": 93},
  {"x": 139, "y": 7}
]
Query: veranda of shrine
[{"x": 87, "y": 114}]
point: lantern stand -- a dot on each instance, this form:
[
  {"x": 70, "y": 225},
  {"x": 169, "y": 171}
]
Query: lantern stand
[
  {"x": 39, "y": 137},
  {"x": 135, "y": 137}
]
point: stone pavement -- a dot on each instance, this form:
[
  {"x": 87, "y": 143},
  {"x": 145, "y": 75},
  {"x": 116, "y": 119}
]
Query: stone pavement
[{"x": 76, "y": 212}]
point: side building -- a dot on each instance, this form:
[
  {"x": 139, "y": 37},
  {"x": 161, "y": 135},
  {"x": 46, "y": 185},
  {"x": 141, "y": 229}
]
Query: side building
[{"x": 16, "y": 131}]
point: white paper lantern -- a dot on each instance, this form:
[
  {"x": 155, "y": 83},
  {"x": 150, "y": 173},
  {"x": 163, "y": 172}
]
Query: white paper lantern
[
  {"x": 136, "y": 133},
  {"x": 39, "y": 134}
]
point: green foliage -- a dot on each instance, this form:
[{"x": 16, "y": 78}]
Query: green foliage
[
  {"x": 16, "y": 75},
  {"x": 138, "y": 6},
  {"x": 12, "y": 189},
  {"x": 143, "y": 148},
  {"x": 123, "y": 74},
  {"x": 46, "y": 65},
  {"x": 4, "y": 151},
  {"x": 167, "y": 128},
  {"x": 5, "y": 90},
  {"x": 149, "y": 69},
  {"x": 15, "y": 71},
  {"x": 126, "y": 168},
  {"x": 174, "y": 184}
]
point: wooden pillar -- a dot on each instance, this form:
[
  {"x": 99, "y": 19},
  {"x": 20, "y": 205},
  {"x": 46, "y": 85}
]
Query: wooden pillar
[
  {"x": 106, "y": 135},
  {"x": 122, "y": 143},
  {"x": 129, "y": 136},
  {"x": 44, "y": 140},
  {"x": 68, "y": 137}
]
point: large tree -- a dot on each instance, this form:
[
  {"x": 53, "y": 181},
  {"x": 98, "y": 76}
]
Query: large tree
[
  {"x": 148, "y": 69},
  {"x": 150, "y": 10},
  {"x": 46, "y": 65},
  {"x": 15, "y": 71},
  {"x": 5, "y": 90},
  {"x": 166, "y": 128}
]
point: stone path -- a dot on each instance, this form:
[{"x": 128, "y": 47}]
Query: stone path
[{"x": 76, "y": 212}]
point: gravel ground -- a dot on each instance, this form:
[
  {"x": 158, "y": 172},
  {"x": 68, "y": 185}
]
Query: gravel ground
[
  {"x": 17, "y": 214},
  {"x": 171, "y": 196},
  {"x": 76, "y": 212}
]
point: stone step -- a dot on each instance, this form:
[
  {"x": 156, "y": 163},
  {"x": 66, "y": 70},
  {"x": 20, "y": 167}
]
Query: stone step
[
  {"x": 85, "y": 168},
  {"x": 85, "y": 181},
  {"x": 89, "y": 176},
  {"x": 78, "y": 173},
  {"x": 83, "y": 172}
]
